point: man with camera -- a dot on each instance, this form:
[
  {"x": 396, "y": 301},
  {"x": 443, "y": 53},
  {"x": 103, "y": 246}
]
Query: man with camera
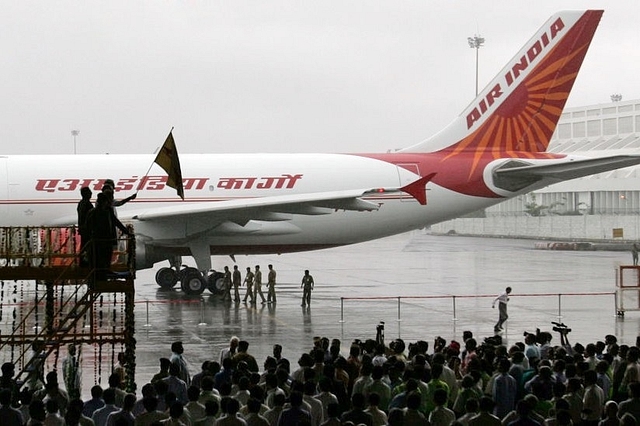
[{"x": 564, "y": 338}]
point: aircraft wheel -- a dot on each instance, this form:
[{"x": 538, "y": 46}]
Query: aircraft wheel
[
  {"x": 166, "y": 277},
  {"x": 192, "y": 282},
  {"x": 185, "y": 271},
  {"x": 215, "y": 282}
]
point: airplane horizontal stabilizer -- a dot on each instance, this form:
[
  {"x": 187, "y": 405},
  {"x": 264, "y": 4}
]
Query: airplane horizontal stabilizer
[{"x": 565, "y": 170}]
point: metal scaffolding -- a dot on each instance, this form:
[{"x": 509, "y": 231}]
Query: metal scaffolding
[{"x": 49, "y": 299}]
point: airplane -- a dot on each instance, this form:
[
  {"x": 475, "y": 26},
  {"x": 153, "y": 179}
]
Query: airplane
[{"x": 250, "y": 204}]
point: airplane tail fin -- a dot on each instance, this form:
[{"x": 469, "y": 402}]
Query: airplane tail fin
[{"x": 519, "y": 110}]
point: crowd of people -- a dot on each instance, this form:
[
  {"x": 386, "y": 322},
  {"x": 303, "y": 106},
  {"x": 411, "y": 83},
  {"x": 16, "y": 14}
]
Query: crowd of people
[{"x": 473, "y": 382}]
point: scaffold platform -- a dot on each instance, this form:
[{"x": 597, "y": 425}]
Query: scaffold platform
[{"x": 49, "y": 299}]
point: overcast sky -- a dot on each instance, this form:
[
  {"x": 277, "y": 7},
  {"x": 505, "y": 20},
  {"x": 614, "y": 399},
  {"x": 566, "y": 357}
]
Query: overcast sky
[{"x": 271, "y": 76}]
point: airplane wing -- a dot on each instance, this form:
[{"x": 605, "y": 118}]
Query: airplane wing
[
  {"x": 268, "y": 209},
  {"x": 514, "y": 174},
  {"x": 279, "y": 208}
]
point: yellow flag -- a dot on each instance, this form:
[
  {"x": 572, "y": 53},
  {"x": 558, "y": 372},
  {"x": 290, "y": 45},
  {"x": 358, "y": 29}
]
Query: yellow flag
[{"x": 168, "y": 159}]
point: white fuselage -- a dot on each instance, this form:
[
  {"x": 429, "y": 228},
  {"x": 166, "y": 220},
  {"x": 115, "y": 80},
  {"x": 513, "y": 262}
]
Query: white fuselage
[{"x": 44, "y": 190}]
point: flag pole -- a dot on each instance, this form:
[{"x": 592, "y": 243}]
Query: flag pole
[{"x": 142, "y": 181}]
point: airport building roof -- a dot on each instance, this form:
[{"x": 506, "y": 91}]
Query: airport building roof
[{"x": 601, "y": 127}]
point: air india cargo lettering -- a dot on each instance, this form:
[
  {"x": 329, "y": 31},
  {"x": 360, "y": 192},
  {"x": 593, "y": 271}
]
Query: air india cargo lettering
[
  {"x": 512, "y": 76},
  {"x": 157, "y": 183}
]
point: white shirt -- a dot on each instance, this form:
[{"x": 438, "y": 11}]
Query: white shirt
[{"x": 503, "y": 298}]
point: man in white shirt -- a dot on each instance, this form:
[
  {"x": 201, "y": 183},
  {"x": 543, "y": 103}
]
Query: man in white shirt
[
  {"x": 379, "y": 416},
  {"x": 100, "y": 415},
  {"x": 593, "y": 399},
  {"x": 317, "y": 412},
  {"x": 502, "y": 300}
]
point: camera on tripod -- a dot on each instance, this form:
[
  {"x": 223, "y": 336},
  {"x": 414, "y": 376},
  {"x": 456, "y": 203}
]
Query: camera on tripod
[
  {"x": 560, "y": 327},
  {"x": 380, "y": 333}
]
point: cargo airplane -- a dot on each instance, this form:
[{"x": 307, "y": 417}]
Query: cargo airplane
[{"x": 239, "y": 204}]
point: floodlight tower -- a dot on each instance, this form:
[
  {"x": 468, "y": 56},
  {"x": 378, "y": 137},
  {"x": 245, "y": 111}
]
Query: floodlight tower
[
  {"x": 75, "y": 134},
  {"x": 476, "y": 42}
]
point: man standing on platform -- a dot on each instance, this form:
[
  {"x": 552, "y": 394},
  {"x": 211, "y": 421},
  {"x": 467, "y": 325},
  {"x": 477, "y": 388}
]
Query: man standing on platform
[
  {"x": 101, "y": 224},
  {"x": 502, "y": 300},
  {"x": 84, "y": 207}
]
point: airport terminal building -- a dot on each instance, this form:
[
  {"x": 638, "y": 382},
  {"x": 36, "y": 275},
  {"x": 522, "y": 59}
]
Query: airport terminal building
[{"x": 602, "y": 206}]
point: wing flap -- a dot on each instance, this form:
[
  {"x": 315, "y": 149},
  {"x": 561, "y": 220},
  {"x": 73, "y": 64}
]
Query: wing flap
[{"x": 255, "y": 207}]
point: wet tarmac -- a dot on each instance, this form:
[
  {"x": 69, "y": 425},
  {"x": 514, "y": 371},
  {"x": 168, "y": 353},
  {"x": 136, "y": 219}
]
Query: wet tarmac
[
  {"x": 420, "y": 285},
  {"x": 410, "y": 280}
]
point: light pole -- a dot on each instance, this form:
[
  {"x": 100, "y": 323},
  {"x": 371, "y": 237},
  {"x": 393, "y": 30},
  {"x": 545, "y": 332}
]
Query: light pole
[
  {"x": 75, "y": 134},
  {"x": 476, "y": 42}
]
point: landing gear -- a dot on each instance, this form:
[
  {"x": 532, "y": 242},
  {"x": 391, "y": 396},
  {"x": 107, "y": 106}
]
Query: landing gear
[
  {"x": 191, "y": 281},
  {"x": 215, "y": 282},
  {"x": 166, "y": 277}
]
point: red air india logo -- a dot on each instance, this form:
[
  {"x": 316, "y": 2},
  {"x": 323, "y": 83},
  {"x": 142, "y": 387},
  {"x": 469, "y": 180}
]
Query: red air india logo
[
  {"x": 514, "y": 74},
  {"x": 158, "y": 183}
]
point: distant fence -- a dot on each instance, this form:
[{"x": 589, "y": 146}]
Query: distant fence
[
  {"x": 588, "y": 227},
  {"x": 454, "y": 298}
]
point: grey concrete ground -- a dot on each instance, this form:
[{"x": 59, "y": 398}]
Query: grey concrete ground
[{"x": 411, "y": 280}]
